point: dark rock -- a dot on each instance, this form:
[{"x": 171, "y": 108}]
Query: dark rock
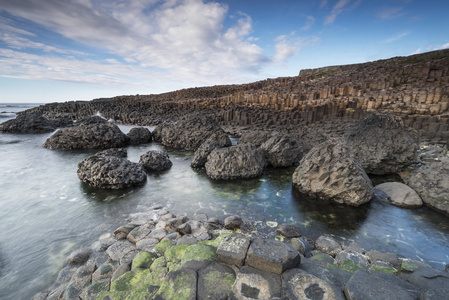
[
  {"x": 383, "y": 144},
  {"x": 236, "y": 162},
  {"x": 389, "y": 258},
  {"x": 423, "y": 275},
  {"x": 256, "y": 138},
  {"x": 180, "y": 284},
  {"x": 119, "y": 249},
  {"x": 27, "y": 123},
  {"x": 252, "y": 283},
  {"x": 184, "y": 229},
  {"x": 289, "y": 231},
  {"x": 110, "y": 172},
  {"x": 214, "y": 224},
  {"x": 94, "y": 290},
  {"x": 431, "y": 182},
  {"x": 92, "y": 120},
  {"x": 328, "y": 245},
  {"x": 365, "y": 286},
  {"x": 233, "y": 222},
  {"x": 215, "y": 282},
  {"x": 98, "y": 135},
  {"x": 123, "y": 231},
  {"x": 213, "y": 142},
  {"x": 139, "y": 135},
  {"x": 335, "y": 277},
  {"x": 271, "y": 256},
  {"x": 105, "y": 271},
  {"x": 80, "y": 279},
  {"x": 298, "y": 284},
  {"x": 119, "y": 152},
  {"x": 281, "y": 150},
  {"x": 437, "y": 294},
  {"x": 232, "y": 250},
  {"x": 121, "y": 269},
  {"x": 330, "y": 172},
  {"x": 79, "y": 257},
  {"x": 322, "y": 259},
  {"x": 358, "y": 258},
  {"x": 400, "y": 194},
  {"x": 155, "y": 161}
]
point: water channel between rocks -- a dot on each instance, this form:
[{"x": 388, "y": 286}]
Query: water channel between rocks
[{"x": 47, "y": 212}]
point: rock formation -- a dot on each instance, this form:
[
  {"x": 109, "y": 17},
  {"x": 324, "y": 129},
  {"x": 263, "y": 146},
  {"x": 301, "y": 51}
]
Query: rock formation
[
  {"x": 28, "y": 123},
  {"x": 139, "y": 135},
  {"x": 281, "y": 150},
  {"x": 155, "y": 161}
]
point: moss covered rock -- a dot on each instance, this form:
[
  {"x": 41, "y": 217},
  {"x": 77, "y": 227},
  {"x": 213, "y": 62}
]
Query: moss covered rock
[{"x": 143, "y": 260}]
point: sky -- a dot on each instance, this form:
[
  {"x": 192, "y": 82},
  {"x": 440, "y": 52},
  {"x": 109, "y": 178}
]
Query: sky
[{"x": 62, "y": 50}]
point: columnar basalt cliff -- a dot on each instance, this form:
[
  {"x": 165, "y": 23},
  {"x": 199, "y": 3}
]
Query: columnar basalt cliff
[{"x": 414, "y": 87}]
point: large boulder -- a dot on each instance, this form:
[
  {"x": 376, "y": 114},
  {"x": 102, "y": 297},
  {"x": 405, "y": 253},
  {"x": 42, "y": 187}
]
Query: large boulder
[
  {"x": 110, "y": 172},
  {"x": 89, "y": 134},
  {"x": 155, "y": 161},
  {"x": 383, "y": 144},
  {"x": 236, "y": 162},
  {"x": 188, "y": 133},
  {"x": 139, "y": 135},
  {"x": 431, "y": 182},
  {"x": 281, "y": 150},
  {"x": 28, "y": 123},
  {"x": 216, "y": 140},
  {"x": 256, "y": 137},
  {"x": 330, "y": 172}
]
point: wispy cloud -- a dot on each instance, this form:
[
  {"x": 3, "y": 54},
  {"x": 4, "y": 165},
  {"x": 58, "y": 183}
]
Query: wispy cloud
[
  {"x": 417, "y": 51},
  {"x": 289, "y": 45},
  {"x": 445, "y": 46},
  {"x": 310, "y": 20},
  {"x": 389, "y": 13},
  {"x": 323, "y": 3},
  {"x": 396, "y": 37},
  {"x": 336, "y": 10}
]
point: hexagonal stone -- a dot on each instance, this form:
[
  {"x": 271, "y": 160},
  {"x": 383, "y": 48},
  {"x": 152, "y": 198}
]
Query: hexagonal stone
[
  {"x": 180, "y": 284},
  {"x": 232, "y": 249},
  {"x": 298, "y": 284},
  {"x": 215, "y": 282},
  {"x": 272, "y": 256},
  {"x": 252, "y": 283},
  {"x": 119, "y": 249}
]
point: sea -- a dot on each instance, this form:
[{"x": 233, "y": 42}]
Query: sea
[{"x": 47, "y": 212}]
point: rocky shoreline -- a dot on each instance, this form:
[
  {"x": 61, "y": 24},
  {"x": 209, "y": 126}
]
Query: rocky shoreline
[{"x": 158, "y": 255}]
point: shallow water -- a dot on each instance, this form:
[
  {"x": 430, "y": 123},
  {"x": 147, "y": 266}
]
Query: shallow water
[{"x": 47, "y": 212}]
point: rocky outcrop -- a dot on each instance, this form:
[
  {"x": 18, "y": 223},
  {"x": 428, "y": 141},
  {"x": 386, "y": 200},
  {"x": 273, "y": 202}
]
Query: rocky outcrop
[
  {"x": 110, "y": 172},
  {"x": 28, "y": 123},
  {"x": 383, "y": 144},
  {"x": 281, "y": 150},
  {"x": 330, "y": 172},
  {"x": 399, "y": 194},
  {"x": 236, "y": 162},
  {"x": 139, "y": 135},
  {"x": 91, "y": 134},
  {"x": 431, "y": 182},
  {"x": 216, "y": 140},
  {"x": 155, "y": 161},
  {"x": 256, "y": 137}
]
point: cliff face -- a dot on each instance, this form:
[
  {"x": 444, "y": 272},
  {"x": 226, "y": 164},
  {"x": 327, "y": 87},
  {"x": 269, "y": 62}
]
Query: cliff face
[{"x": 414, "y": 87}]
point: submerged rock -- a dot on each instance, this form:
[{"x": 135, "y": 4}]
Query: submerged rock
[
  {"x": 155, "y": 161},
  {"x": 89, "y": 134},
  {"x": 330, "y": 172},
  {"x": 383, "y": 144},
  {"x": 236, "y": 162},
  {"x": 110, "y": 172},
  {"x": 28, "y": 123},
  {"x": 431, "y": 182}
]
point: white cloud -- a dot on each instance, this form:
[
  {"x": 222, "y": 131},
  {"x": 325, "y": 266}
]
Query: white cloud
[
  {"x": 185, "y": 38},
  {"x": 443, "y": 47},
  {"x": 310, "y": 20},
  {"x": 289, "y": 45},
  {"x": 417, "y": 51},
  {"x": 336, "y": 10},
  {"x": 389, "y": 13},
  {"x": 396, "y": 37}
]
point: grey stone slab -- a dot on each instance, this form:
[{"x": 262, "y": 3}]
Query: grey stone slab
[
  {"x": 233, "y": 249},
  {"x": 252, "y": 283}
]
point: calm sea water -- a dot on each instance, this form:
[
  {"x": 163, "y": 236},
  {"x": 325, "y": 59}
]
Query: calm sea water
[{"x": 47, "y": 212}]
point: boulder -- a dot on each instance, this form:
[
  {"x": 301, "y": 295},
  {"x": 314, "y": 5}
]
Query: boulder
[
  {"x": 256, "y": 138},
  {"x": 215, "y": 141},
  {"x": 28, "y": 123},
  {"x": 110, "y": 172},
  {"x": 383, "y": 144},
  {"x": 155, "y": 161},
  {"x": 139, "y": 135},
  {"x": 233, "y": 222},
  {"x": 281, "y": 150},
  {"x": 330, "y": 172},
  {"x": 431, "y": 182},
  {"x": 399, "y": 194},
  {"x": 88, "y": 135},
  {"x": 307, "y": 137},
  {"x": 288, "y": 230},
  {"x": 236, "y": 162},
  {"x": 188, "y": 133}
]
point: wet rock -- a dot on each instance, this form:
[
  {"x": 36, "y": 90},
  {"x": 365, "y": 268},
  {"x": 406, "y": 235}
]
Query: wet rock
[
  {"x": 180, "y": 284},
  {"x": 119, "y": 152},
  {"x": 400, "y": 194},
  {"x": 358, "y": 258},
  {"x": 422, "y": 275},
  {"x": 81, "y": 278},
  {"x": 329, "y": 172},
  {"x": 437, "y": 294},
  {"x": 123, "y": 231},
  {"x": 365, "y": 286},
  {"x": 298, "y": 284},
  {"x": 215, "y": 282},
  {"x": 328, "y": 245},
  {"x": 146, "y": 244},
  {"x": 122, "y": 269},
  {"x": 233, "y": 222},
  {"x": 119, "y": 249},
  {"x": 322, "y": 259},
  {"x": 289, "y": 231},
  {"x": 105, "y": 271},
  {"x": 110, "y": 172},
  {"x": 383, "y": 144},
  {"x": 252, "y": 283},
  {"x": 256, "y": 138},
  {"x": 383, "y": 267},
  {"x": 155, "y": 161},
  {"x": 334, "y": 277},
  {"x": 232, "y": 249},
  {"x": 184, "y": 229},
  {"x": 88, "y": 136},
  {"x": 389, "y": 258},
  {"x": 351, "y": 246},
  {"x": 281, "y": 150},
  {"x": 236, "y": 162},
  {"x": 271, "y": 256},
  {"x": 79, "y": 257},
  {"x": 138, "y": 233},
  {"x": 431, "y": 182},
  {"x": 94, "y": 290},
  {"x": 198, "y": 256},
  {"x": 214, "y": 224},
  {"x": 139, "y": 135},
  {"x": 27, "y": 123}
]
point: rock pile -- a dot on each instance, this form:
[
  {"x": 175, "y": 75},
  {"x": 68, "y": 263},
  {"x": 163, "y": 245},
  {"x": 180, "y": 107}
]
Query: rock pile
[{"x": 161, "y": 256}]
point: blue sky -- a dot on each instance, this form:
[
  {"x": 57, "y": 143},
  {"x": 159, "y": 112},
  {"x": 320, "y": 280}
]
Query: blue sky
[{"x": 60, "y": 50}]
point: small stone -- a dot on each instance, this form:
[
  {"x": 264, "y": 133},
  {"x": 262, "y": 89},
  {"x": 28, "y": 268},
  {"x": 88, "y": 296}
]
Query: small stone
[
  {"x": 289, "y": 231},
  {"x": 328, "y": 245},
  {"x": 123, "y": 231},
  {"x": 389, "y": 258},
  {"x": 187, "y": 240},
  {"x": 233, "y": 222},
  {"x": 214, "y": 224},
  {"x": 184, "y": 229}
]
